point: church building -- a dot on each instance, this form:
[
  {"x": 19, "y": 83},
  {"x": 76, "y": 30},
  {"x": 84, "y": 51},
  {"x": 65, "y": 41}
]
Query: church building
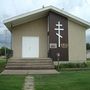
[{"x": 48, "y": 33}]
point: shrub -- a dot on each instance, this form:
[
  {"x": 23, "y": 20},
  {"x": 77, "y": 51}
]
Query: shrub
[{"x": 71, "y": 65}]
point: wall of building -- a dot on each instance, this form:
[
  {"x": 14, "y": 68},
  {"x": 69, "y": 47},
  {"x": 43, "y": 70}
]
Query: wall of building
[
  {"x": 76, "y": 39},
  {"x": 34, "y": 28},
  {"x": 77, "y": 42},
  {"x": 62, "y": 47}
]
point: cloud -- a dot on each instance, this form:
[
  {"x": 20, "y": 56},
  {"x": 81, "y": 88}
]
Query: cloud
[
  {"x": 22, "y": 5},
  {"x": 82, "y": 11},
  {"x": 88, "y": 32},
  {"x": 88, "y": 2},
  {"x": 6, "y": 8},
  {"x": 15, "y": 7},
  {"x": 10, "y": 8}
]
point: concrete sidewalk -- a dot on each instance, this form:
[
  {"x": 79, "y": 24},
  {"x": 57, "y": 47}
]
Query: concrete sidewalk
[
  {"x": 26, "y": 72},
  {"x": 29, "y": 83}
]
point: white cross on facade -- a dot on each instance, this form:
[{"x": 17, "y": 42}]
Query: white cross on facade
[{"x": 58, "y": 34}]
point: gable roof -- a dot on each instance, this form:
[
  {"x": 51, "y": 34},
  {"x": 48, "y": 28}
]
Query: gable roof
[{"x": 20, "y": 19}]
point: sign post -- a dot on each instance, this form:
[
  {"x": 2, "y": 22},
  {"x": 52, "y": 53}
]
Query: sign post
[{"x": 58, "y": 55}]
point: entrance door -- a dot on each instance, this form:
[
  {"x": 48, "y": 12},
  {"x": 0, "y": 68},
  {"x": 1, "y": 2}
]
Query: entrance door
[{"x": 30, "y": 47}]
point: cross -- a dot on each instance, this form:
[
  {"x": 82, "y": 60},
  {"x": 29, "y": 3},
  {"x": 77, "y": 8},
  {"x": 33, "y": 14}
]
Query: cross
[{"x": 58, "y": 34}]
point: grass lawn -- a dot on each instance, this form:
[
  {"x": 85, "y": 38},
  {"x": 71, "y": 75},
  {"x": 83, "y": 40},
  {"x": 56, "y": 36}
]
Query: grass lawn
[
  {"x": 66, "y": 80},
  {"x": 73, "y": 80},
  {"x": 11, "y": 82}
]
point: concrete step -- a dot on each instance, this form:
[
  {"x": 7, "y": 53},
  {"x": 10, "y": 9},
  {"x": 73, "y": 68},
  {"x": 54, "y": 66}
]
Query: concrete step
[
  {"x": 29, "y": 68},
  {"x": 35, "y": 61},
  {"x": 25, "y": 72},
  {"x": 31, "y": 60},
  {"x": 27, "y": 64}
]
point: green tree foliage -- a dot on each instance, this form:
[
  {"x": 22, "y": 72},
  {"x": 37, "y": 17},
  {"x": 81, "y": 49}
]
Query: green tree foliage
[
  {"x": 88, "y": 46},
  {"x": 7, "y": 50}
]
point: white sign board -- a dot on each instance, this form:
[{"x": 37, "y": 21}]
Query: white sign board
[{"x": 53, "y": 45}]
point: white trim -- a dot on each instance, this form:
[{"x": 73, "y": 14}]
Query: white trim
[
  {"x": 45, "y": 10},
  {"x": 48, "y": 32}
]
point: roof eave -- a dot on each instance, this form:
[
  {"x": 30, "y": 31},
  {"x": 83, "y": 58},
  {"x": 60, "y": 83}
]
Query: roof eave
[{"x": 73, "y": 18}]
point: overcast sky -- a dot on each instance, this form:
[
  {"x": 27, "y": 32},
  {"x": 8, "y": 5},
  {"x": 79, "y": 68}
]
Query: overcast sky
[{"x": 10, "y": 8}]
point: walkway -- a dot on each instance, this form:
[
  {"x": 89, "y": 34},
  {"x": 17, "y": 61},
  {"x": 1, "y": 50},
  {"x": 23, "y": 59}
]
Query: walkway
[
  {"x": 29, "y": 83},
  {"x": 26, "y": 72}
]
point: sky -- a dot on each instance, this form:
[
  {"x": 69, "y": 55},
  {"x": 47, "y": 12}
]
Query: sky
[{"x": 10, "y": 8}]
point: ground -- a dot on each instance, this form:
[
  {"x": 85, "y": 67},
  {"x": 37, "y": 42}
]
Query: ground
[
  {"x": 66, "y": 80},
  {"x": 73, "y": 80},
  {"x": 11, "y": 82}
]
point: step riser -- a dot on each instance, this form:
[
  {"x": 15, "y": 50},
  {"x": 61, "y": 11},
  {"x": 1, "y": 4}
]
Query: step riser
[
  {"x": 30, "y": 59},
  {"x": 36, "y": 61},
  {"x": 25, "y": 63},
  {"x": 29, "y": 68},
  {"x": 29, "y": 63},
  {"x": 32, "y": 66}
]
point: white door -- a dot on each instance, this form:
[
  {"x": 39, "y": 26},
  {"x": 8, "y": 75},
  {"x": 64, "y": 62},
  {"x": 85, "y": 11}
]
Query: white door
[{"x": 30, "y": 47}]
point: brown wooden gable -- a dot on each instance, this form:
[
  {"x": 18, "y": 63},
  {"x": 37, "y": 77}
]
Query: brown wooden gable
[{"x": 54, "y": 48}]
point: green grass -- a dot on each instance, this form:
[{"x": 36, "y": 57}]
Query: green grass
[
  {"x": 2, "y": 64},
  {"x": 79, "y": 80},
  {"x": 11, "y": 82},
  {"x": 66, "y": 80}
]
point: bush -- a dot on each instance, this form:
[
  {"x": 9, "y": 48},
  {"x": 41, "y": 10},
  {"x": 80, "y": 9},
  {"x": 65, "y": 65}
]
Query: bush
[
  {"x": 2, "y": 65},
  {"x": 72, "y": 65}
]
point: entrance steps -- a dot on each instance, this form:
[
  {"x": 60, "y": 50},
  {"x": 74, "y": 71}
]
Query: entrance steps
[{"x": 30, "y": 64}]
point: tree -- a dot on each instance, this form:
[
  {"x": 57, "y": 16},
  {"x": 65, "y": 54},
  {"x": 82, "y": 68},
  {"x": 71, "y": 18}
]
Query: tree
[
  {"x": 88, "y": 46},
  {"x": 7, "y": 50}
]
